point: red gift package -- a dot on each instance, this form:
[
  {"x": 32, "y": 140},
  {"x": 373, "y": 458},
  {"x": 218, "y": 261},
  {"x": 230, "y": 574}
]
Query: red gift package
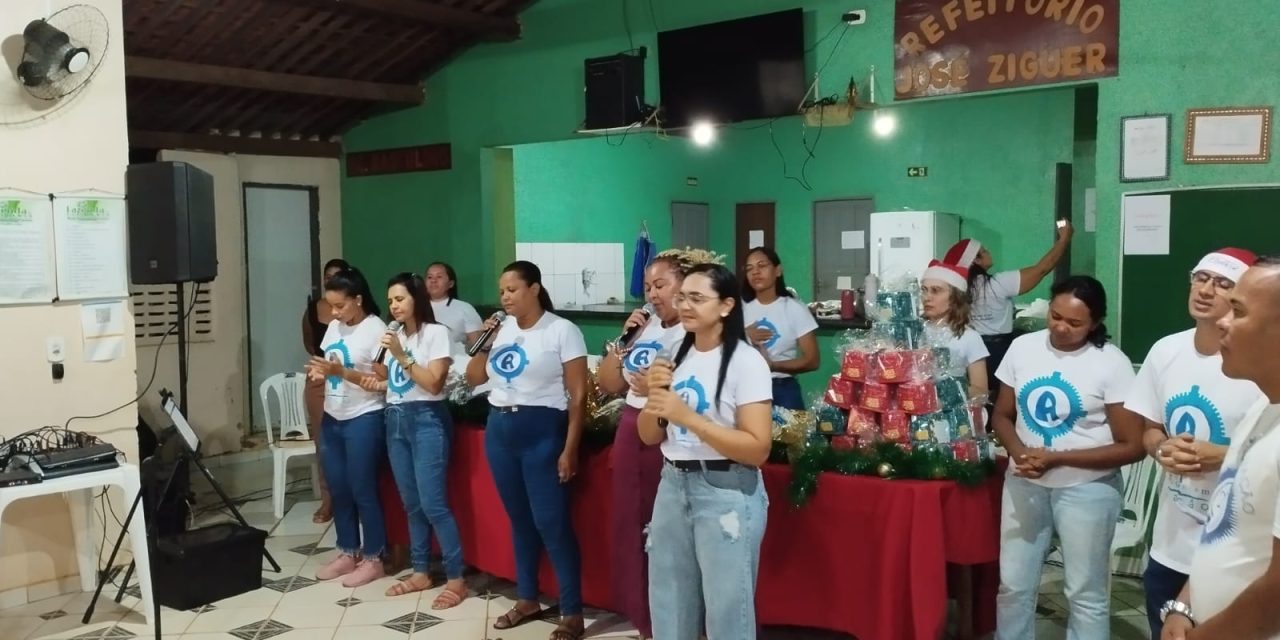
[
  {"x": 918, "y": 397},
  {"x": 965, "y": 450},
  {"x": 892, "y": 366},
  {"x": 876, "y": 396},
  {"x": 893, "y": 426},
  {"x": 840, "y": 392},
  {"x": 844, "y": 443},
  {"x": 855, "y": 365}
]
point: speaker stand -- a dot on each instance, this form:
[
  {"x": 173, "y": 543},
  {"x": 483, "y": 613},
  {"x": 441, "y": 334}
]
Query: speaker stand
[{"x": 182, "y": 345}]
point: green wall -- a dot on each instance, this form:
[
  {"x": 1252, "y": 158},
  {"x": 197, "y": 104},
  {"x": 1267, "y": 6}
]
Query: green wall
[{"x": 990, "y": 157}]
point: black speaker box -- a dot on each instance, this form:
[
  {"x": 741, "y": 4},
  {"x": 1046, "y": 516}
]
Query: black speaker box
[
  {"x": 171, "y": 224},
  {"x": 614, "y": 90},
  {"x": 205, "y": 565}
]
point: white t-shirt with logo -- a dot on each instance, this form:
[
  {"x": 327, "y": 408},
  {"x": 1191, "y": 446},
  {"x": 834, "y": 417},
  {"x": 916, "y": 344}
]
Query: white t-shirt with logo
[
  {"x": 653, "y": 339},
  {"x": 1061, "y": 399},
  {"x": 458, "y": 316},
  {"x": 1187, "y": 393},
  {"x": 788, "y": 319},
  {"x": 966, "y": 349},
  {"x": 992, "y": 312},
  {"x": 526, "y": 366},
  {"x": 354, "y": 347},
  {"x": 1235, "y": 546},
  {"x": 429, "y": 342},
  {"x": 746, "y": 381}
]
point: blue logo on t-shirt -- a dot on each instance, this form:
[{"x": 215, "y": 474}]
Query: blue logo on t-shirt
[
  {"x": 1050, "y": 406},
  {"x": 337, "y": 352},
  {"x": 693, "y": 394},
  {"x": 641, "y": 356},
  {"x": 1193, "y": 413},
  {"x": 1222, "y": 509},
  {"x": 398, "y": 380},
  {"x": 509, "y": 362},
  {"x": 773, "y": 330}
]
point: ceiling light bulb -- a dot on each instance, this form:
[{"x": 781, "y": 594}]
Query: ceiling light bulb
[
  {"x": 703, "y": 134},
  {"x": 884, "y": 124}
]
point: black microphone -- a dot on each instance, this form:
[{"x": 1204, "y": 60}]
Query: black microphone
[
  {"x": 630, "y": 333},
  {"x": 664, "y": 356},
  {"x": 382, "y": 352},
  {"x": 484, "y": 337}
]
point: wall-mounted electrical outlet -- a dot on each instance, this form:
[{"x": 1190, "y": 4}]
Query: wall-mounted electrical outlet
[{"x": 857, "y": 16}]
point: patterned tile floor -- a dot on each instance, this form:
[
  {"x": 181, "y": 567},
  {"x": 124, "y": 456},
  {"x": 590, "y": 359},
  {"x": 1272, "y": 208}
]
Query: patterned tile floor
[{"x": 291, "y": 605}]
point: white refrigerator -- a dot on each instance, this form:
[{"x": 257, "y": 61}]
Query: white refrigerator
[{"x": 903, "y": 242}]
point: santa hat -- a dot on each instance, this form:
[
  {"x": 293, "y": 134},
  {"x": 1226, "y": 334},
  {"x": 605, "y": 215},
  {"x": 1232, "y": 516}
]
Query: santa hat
[
  {"x": 1230, "y": 263},
  {"x": 963, "y": 253},
  {"x": 957, "y": 277}
]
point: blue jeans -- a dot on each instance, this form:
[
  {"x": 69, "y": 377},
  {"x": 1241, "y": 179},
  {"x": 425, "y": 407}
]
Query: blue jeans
[
  {"x": 350, "y": 452},
  {"x": 418, "y": 438},
  {"x": 786, "y": 394},
  {"x": 523, "y": 449},
  {"x": 1161, "y": 585},
  {"x": 704, "y": 553},
  {"x": 1085, "y": 518}
]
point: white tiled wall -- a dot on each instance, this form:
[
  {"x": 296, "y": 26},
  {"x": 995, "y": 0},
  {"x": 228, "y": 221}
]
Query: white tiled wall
[{"x": 563, "y": 263}]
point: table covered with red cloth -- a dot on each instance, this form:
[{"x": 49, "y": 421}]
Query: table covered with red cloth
[{"x": 865, "y": 556}]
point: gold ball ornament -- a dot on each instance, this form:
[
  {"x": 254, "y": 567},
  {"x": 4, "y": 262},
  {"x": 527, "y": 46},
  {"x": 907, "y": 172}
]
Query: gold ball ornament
[{"x": 884, "y": 470}]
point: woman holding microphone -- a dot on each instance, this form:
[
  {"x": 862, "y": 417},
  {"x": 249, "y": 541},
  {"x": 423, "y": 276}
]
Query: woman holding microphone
[
  {"x": 711, "y": 411},
  {"x": 538, "y": 362}
]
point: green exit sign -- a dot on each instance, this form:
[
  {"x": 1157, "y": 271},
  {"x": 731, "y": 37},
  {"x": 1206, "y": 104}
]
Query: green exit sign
[{"x": 917, "y": 172}]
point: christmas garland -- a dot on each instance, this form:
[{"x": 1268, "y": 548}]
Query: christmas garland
[{"x": 883, "y": 459}]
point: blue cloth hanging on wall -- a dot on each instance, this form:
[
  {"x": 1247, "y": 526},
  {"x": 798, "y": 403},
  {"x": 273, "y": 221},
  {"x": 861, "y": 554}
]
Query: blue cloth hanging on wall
[{"x": 645, "y": 252}]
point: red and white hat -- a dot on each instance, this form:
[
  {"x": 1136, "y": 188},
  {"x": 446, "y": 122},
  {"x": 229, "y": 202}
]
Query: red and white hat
[
  {"x": 963, "y": 253},
  {"x": 1230, "y": 263},
  {"x": 957, "y": 277}
]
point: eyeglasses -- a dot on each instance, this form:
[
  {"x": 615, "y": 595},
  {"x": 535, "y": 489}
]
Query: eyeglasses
[
  {"x": 1201, "y": 278},
  {"x": 695, "y": 299},
  {"x": 933, "y": 290}
]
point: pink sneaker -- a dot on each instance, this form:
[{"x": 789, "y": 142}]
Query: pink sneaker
[
  {"x": 340, "y": 566},
  {"x": 367, "y": 571}
]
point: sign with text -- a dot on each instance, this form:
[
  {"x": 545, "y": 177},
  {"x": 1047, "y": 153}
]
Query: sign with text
[
  {"x": 431, "y": 157},
  {"x": 948, "y": 47}
]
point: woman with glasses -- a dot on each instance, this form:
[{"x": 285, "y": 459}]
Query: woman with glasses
[
  {"x": 711, "y": 411},
  {"x": 1060, "y": 416},
  {"x": 779, "y": 325},
  {"x": 944, "y": 294},
  {"x": 1190, "y": 409}
]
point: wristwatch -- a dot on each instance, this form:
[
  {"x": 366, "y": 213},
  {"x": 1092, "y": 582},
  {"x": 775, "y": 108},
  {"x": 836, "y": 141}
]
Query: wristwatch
[
  {"x": 1180, "y": 608},
  {"x": 409, "y": 362}
]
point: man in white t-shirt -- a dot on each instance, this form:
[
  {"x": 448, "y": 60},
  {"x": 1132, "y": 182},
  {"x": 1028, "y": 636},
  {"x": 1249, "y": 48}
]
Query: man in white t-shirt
[
  {"x": 1234, "y": 587},
  {"x": 1191, "y": 409}
]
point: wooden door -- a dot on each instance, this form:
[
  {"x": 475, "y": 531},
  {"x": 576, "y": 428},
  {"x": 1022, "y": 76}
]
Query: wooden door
[{"x": 753, "y": 227}]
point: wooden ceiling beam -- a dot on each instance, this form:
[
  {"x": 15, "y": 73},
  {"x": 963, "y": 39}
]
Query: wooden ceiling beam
[
  {"x": 233, "y": 144},
  {"x": 489, "y": 26},
  {"x": 173, "y": 71}
]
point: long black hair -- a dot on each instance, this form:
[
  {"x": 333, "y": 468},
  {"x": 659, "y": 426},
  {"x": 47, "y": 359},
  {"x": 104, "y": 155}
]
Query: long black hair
[
  {"x": 453, "y": 277},
  {"x": 978, "y": 276},
  {"x": 335, "y": 263},
  {"x": 1089, "y": 291},
  {"x": 422, "y": 312},
  {"x": 733, "y": 327},
  {"x": 351, "y": 283},
  {"x": 779, "y": 287},
  {"x": 531, "y": 275}
]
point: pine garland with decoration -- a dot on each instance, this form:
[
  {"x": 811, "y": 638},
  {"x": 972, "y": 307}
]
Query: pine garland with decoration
[{"x": 883, "y": 459}]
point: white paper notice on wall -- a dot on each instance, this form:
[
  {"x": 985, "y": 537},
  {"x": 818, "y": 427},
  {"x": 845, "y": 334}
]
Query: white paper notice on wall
[
  {"x": 26, "y": 249},
  {"x": 844, "y": 283},
  {"x": 755, "y": 238},
  {"x": 1146, "y": 225},
  {"x": 89, "y": 233},
  {"x": 853, "y": 239},
  {"x": 1090, "y": 210},
  {"x": 102, "y": 325}
]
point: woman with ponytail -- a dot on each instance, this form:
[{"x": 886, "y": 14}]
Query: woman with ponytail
[{"x": 1061, "y": 417}]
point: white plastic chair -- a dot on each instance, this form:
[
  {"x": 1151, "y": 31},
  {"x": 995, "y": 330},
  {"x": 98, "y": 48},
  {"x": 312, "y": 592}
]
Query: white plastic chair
[
  {"x": 1142, "y": 482},
  {"x": 289, "y": 389}
]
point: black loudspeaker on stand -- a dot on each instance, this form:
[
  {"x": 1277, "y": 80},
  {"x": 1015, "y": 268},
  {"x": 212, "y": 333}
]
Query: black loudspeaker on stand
[{"x": 179, "y": 437}]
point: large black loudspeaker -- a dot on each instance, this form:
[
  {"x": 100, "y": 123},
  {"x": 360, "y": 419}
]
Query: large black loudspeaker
[
  {"x": 615, "y": 91},
  {"x": 171, "y": 224}
]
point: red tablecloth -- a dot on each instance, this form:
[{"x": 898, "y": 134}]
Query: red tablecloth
[{"x": 865, "y": 556}]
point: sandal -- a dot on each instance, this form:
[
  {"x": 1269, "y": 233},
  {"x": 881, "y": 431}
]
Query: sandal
[
  {"x": 410, "y": 585},
  {"x": 448, "y": 599},
  {"x": 514, "y": 618},
  {"x": 322, "y": 515},
  {"x": 568, "y": 631}
]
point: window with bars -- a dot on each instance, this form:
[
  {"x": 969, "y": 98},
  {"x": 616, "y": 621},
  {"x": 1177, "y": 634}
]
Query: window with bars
[{"x": 155, "y": 310}]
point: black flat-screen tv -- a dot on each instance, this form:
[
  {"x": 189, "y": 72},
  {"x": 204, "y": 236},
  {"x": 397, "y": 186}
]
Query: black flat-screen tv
[{"x": 732, "y": 71}]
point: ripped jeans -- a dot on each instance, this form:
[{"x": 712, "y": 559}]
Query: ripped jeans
[{"x": 704, "y": 553}]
